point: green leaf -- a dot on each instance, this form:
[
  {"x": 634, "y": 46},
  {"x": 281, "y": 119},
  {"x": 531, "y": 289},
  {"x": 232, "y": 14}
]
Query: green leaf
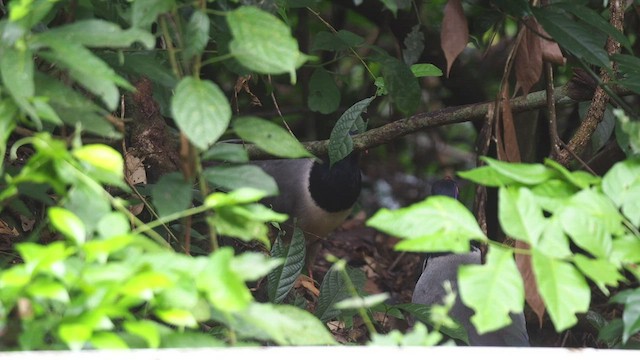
[
  {"x": 423, "y": 314},
  {"x": 590, "y": 219},
  {"x": 417, "y": 336},
  {"x": 44, "y": 258},
  {"x": 580, "y": 179},
  {"x": 224, "y": 288},
  {"x": 145, "y": 12},
  {"x": 529, "y": 174},
  {"x": 146, "y": 329},
  {"x": 563, "y": 289},
  {"x": 113, "y": 224},
  {"x": 622, "y": 185},
  {"x": 520, "y": 215},
  {"x": 17, "y": 73},
  {"x": 239, "y": 176},
  {"x": 8, "y": 120},
  {"x": 576, "y": 37},
  {"x": 171, "y": 194},
  {"x": 99, "y": 250},
  {"x": 48, "y": 289},
  {"x": 29, "y": 13},
  {"x": 227, "y": 152},
  {"x": 143, "y": 284},
  {"x": 252, "y": 266},
  {"x": 601, "y": 271},
  {"x": 196, "y": 35},
  {"x": 269, "y": 137},
  {"x": 595, "y": 20},
  {"x": 89, "y": 203},
  {"x": 364, "y": 302},
  {"x": 401, "y": 84},
  {"x": 626, "y": 250},
  {"x": 340, "y": 142},
  {"x": 282, "y": 278},
  {"x": 102, "y": 157},
  {"x": 282, "y": 324},
  {"x": 627, "y": 132},
  {"x": 334, "y": 289},
  {"x": 438, "y": 223},
  {"x": 413, "y": 46},
  {"x": 422, "y": 70},
  {"x": 75, "y": 335},
  {"x": 631, "y": 316},
  {"x": 324, "y": 95},
  {"x": 68, "y": 224},
  {"x": 341, "y": 40},
  {"x": 554, "y": 242},
  {"x": 487, "y": 176},
  {"x": 175, "y": 340},
  {"x": 201, "y": 111},
  {"x": 87, "y": 69},
  {"x": 492, "y": 290},
  {"x": 263, "y": 43},
  {"x": 177, "y": 317},
  {"x": 95, "y": 33},
  {"x": 107, "y": 340},
  {"x": 553, "y": 194}
]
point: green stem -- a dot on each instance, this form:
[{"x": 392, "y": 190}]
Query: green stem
[
  {"x": 352, "y": 290},
  {"x": 170, "y": 49}
]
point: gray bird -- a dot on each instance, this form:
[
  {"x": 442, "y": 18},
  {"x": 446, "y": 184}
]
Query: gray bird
[
  {"x": 318, "y": 195},
  {"x": 440, "y": 267}
]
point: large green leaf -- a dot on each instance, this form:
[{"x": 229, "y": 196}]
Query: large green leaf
[
  {"x": 269, "y": 137},
  {"x": 263, "y": 43},
  {"x": 196, "y": 35},
  {"x": 340, "y": 142},
  {"x": 631, "y": 316},
  {"x": 224, "y": 288},
  {"x": 600, "y": 271},
  {"x": 238, "y": 176},
  {"x": 324, "y": 95},
  {"x": 68, "y": 224},
  {"x": 200, "y": 110},
  {"x": 171, "y": 194},
  {"x": 17, "y": 70},
  {"x": 334, "y": 289},
  {"x": 282, "y": 279},
  {"x": 95, "y": 33},
  {"x": 8, "y": 113},
  {"x": 574, "y": 36},
  {"x": 145, "y": 12},
  {"x": 492, "y": 290},
  {"x": 438, "y": 223},
  {"x": 282, "y": 324},
  {"x": 401, "y": 84},
  {"x": 622, "y": 185},
  {"x": 590, "y": 219},
  {"x": 87, "y": 69},
  {"x": 563, "y": 289},
  {"x": 520, "y": 215},
  {"x": 341, "y": 40}
]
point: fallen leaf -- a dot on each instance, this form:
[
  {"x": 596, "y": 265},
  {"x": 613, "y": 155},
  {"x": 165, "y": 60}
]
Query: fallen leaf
[
  {"x": 510, "y": 139},
  {"x": 454, "y": 34}
]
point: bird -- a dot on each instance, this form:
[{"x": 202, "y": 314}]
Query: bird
[
  {"x": 318, "y": 195},
  {"x": 440, "y": 267}
]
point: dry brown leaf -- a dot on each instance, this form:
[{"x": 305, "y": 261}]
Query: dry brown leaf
[
  {"x": 134, "y": 174},
  {"x": 532, "y": 296},
  {"x": 454, "y": 34},
  {"x": 6, "y": 229},
  {"x": 509, "y": 137},
  {"x": 528, "y": 61},
  {"x": 550, "y": 50}
]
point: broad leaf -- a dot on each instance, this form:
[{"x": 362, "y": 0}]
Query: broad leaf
[
  {"x": 263, "y": 43},
  {"x": 145, "y": 12},
  {"x": 340, "y": 142},
  {"x": 564, "y": 290},
  {"x": 622, "y": 185},
  {"x": 324, "y": 95},
  {"x": 95, "y": 33},
  {"x": 201, "y": 111},
  {"x": 196, "y": 35},
  {"x": 600, "y": 271},
  {"x": 239, "y": 176},
  {"x": 269, "y": 137},
  {"x": 402, "y": 86},
  {"x": 282, "y": 279},
  {"x": 223, "y": 287},
  {"x": 493, "y": 290},
  {"x": 334, "y": 289},
  {"x": 68, "y": 224},
  {"x": 438, "y": 223},
  {"x": 520, "y": 215},
  {"x": 171, "y": 194}
]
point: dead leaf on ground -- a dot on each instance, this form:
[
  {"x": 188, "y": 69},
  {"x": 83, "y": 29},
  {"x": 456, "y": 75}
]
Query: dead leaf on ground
[
  {"x": 454, "y": 34},
  {"x": 135, "y": 174}
]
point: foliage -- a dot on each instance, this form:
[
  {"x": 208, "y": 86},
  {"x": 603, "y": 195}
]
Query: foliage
[
  {"x": 103, "y": 266},
  {"x": 578, "y": 228}
]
